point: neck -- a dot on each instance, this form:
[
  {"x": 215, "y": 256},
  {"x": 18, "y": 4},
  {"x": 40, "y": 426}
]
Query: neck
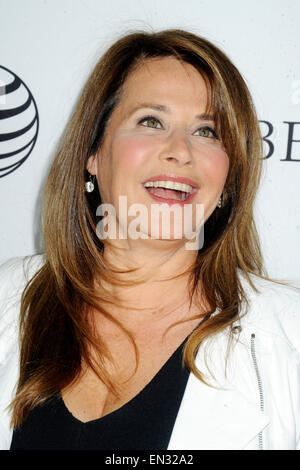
[{"x": 155, "y": 276}]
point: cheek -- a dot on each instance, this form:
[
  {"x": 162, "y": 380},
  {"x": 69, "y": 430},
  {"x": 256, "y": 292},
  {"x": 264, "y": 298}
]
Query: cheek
[
  {"x": 121, "y": 160},
  {"x": 130, "y": 153},
  {"x": 215, "y": 166}
]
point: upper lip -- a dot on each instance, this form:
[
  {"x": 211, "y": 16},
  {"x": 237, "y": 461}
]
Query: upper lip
[{"x": 179, "y": 179}]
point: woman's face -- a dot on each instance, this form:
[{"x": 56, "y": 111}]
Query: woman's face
[{"x": 159, "y": 133}]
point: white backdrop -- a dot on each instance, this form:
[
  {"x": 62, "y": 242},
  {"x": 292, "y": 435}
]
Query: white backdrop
[{"x": 51, "y": 45}]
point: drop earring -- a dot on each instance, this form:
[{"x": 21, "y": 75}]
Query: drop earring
[
  {"x": 89, "y": 185},
  {"x": 220, "y": 202}
]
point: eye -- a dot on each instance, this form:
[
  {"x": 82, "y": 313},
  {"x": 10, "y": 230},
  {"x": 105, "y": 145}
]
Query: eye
[
  {"x": 207, "y": 131},
  {"x": 150, "y": 121}
]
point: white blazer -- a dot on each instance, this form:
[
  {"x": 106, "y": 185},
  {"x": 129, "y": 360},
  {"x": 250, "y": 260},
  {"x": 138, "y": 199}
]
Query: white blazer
[{"x": 255, "y": 405}]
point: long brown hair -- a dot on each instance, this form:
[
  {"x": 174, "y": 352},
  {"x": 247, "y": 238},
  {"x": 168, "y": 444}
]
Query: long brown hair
[{"x": 55, "y": 334}]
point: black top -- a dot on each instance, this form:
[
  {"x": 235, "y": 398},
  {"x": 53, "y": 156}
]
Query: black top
[{"x": 144, "y": 423}]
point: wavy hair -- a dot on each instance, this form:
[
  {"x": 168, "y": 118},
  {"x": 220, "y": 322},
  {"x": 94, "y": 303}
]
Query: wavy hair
[{"x": 55, "y": 333}]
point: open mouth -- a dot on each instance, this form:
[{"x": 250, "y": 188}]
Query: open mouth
[{"x": 170, "y": 190}]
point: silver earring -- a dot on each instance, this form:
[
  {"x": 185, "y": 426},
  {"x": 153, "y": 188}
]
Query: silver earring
[
  {"x": 89, "y": 185},
  {"x": 220, "y": 202}
]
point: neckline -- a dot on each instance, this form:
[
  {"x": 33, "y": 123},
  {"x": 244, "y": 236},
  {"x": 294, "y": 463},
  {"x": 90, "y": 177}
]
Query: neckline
[
  {"x": 132, "y": 401},
  {"x": 129, "y": 403}
]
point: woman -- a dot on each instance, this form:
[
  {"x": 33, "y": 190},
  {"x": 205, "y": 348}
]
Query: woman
[{"x": 133, "y": 341}]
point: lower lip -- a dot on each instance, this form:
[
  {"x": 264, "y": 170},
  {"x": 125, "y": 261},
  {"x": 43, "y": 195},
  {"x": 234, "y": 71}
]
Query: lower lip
[{"x": 171, "y": 202}]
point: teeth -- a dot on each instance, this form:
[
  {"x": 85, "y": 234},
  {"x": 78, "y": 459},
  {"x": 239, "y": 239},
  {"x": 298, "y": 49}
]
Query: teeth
[{"x": 186, "y": 188}]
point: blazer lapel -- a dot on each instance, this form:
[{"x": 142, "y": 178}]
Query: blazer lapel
[
  {"x": 211, "y": 418},
  {"x": 220, "y": 418}
]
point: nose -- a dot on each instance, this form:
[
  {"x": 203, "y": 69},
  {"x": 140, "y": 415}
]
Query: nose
[{"x": 177, "y": 149}]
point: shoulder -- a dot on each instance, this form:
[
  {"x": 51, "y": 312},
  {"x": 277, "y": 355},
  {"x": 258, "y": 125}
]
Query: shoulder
[
  {"x": 14, "y": 275},
  {"x": 17, "y": 270},
  {"x": 273, "y": 308}
]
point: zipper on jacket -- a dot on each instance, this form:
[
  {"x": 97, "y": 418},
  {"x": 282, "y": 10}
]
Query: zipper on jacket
[{"x": 260, "y": 388}]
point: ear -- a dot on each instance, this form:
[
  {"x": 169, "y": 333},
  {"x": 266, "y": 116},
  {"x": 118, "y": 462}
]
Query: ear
[{"x": 91, "y": 164}]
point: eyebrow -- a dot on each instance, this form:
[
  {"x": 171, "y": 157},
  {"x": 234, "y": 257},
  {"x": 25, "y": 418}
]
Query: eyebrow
[{"x": 166, "y": 109}]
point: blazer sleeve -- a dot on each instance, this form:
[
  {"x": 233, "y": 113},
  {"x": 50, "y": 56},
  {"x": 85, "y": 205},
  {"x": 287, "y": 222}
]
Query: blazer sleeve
[{"x": 14, "y": 275}]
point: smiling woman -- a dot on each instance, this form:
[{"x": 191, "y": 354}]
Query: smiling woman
[
  {"x": 174, "y": 154},
  {"x": 135, "y": 342}
]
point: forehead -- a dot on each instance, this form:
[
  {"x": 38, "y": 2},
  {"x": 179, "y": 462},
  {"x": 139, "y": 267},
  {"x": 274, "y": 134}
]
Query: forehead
[{"x": 166, "y": 79}]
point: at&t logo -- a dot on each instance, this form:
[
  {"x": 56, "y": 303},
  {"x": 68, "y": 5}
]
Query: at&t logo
[{"x": 19, "y": 122}]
